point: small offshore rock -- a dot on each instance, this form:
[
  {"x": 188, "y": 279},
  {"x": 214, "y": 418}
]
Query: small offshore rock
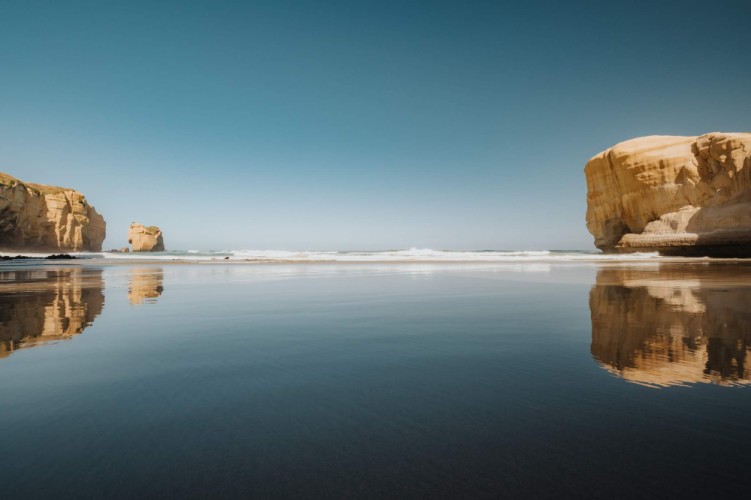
[{"x": 145, "y": 238}]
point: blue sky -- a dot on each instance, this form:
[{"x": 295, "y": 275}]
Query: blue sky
[{"x": 356, "y": 125}]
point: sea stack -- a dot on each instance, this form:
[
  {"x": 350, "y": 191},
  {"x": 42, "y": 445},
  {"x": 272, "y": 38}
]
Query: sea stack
[
  {"x": 145, "y": 238},
  {"x": 676, "y": 195},
  {"x": 35, "y": 217}
]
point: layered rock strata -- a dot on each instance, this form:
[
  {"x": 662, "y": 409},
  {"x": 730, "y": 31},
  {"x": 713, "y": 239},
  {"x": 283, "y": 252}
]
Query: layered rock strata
[
  {"x": 145, "y": 238},
  {"x": 676, "y": 195},
  {"x": 35, "y": 217}
]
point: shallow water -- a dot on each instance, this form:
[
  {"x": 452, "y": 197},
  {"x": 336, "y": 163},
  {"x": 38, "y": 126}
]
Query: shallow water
[{"x": 372, "y": 380}]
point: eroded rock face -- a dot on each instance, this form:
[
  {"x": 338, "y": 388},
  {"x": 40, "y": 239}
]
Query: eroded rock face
[
  {"x": 677, "y": 195},
  {"x": 47, "y": 218},
  {"x": 145, "y": 238},
  {"x": 55, "y": 305},
  {"x": 673, "y": 325}
]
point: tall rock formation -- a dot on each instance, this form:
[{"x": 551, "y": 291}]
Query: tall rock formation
[
  {"x": 677, "y": 195},
  {"x": 47, "y": 218},
  {"x": 145, "y": 238}
]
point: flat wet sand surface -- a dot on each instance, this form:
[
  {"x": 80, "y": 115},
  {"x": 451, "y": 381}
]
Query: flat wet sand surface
[{"x": 620, "y": 380}]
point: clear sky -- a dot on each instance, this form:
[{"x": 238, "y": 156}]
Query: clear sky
[{"x": 353, "y": 124}]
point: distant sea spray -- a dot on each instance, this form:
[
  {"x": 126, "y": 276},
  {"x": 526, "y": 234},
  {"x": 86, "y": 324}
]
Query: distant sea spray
[{"x": 410, "y": 255}]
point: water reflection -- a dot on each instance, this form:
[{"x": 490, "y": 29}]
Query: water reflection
[
  {"x": 671, "y": 326},
  {"x": 38, "y": 306},
  {"x": 145, "y": 285}
]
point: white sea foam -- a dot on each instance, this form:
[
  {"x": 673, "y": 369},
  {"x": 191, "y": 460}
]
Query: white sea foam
[
  {"x": 410, "y": 255},
  {"x": 429, "y": 255}
]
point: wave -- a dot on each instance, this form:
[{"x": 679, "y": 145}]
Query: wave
[{"x": 409, "y": 255}]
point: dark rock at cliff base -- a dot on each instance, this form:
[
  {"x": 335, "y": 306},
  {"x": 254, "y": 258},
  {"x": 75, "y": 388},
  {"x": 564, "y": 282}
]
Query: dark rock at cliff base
[{"x": 59, "y": 256}]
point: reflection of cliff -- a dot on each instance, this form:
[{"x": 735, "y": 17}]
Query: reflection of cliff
[
  {"x": 672, "y": 326},
  {"x": 44, "y": 305},
  {"x": 145, "y": 285}
]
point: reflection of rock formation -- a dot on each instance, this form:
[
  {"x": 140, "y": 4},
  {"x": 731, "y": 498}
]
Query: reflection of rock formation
[
  {"x": 38, "y": 306},
  {"x": 667, "y": 326},
  {"x": 145, "y": 285}
]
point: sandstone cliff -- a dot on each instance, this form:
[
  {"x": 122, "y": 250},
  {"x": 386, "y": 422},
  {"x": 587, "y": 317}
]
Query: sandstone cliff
[
  {"x": 145, "y": 238},
  {"x": 675, "y": 325},
  {"x": 47, "y": 218},
  {"x": 55, "y": 305},
  {"x": 684, "y": 195}
]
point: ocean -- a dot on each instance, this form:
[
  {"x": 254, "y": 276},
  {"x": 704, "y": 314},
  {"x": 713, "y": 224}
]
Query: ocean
[
  {"x": 406, "y": 255},
  {"x": 403, "y": 374}
]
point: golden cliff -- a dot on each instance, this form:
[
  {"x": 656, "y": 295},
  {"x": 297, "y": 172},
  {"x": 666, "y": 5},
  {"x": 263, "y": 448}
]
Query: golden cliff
[
  {"x": 47, "y": 218},
  {"x": 676, "y": 195}
]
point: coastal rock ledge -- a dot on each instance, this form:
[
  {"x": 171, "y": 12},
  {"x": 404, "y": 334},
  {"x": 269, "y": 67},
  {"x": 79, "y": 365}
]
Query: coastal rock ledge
[
  {"x": 145, "y": 238},
  {"x": 675, "y": 195},
  {"x": 35, "y": 217}
]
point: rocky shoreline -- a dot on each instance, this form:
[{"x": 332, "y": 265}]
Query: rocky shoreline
[
  {"x": 41, "y": 218},
  {"x": 59, "y": 256}
]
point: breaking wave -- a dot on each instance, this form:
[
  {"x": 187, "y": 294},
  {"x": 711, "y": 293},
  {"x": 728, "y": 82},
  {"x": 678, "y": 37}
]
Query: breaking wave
[{"x": 410, "y": 255}]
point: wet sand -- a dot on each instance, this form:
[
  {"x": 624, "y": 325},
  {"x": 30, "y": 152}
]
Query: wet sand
[{"x": 373, "y": 380}]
